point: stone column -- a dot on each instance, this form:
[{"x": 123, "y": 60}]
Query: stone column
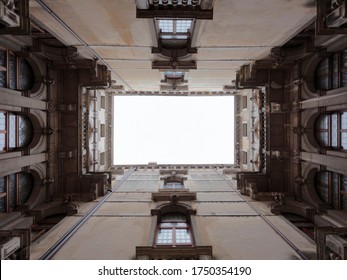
[
  {"x": 16, "y": 163},
  {"x": 335, "y": 164}
]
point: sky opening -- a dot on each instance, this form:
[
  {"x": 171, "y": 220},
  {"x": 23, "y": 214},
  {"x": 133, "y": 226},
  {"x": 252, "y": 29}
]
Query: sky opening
[{"x": 173, "y": 130}]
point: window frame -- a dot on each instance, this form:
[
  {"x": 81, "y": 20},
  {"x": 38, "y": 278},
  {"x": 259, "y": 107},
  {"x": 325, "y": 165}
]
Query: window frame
[
  {"x": 334, "y": 193},
  {"x": 327, "y": 75},
  {"x": 174, "y": 229},
  {"x": 176, "y": 185},
  {"x": 174, "y": 35},
  {"x": 7, "y": 132},
  {"x": 7, "y": 192},
  {"x": 340, "y": 130},
  {"x": 17, "y": 73}
]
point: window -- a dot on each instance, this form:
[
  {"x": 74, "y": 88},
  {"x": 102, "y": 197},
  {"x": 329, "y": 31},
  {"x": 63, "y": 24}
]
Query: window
[
  {"x": 244, "y": 130},
  {"x": 173, "y": 230},
  {"x": 244, "y": 102},
  {"x": 102, "y": 130},
  {"x": 332, "y": 189},
  {"x": 331, "y": 72},
  {"x": 16, "y": 131},
  {"x": 15, "y": 72},
  {"x": 244, "y": 157},
  {"x": 173, "y": 185},
  {"x": 102, "y": 158},
  {"x": 174, "y": 29},
  {"x": 15, "y": 190},
  {"x": 103, "y": 102},
  {"x": 331, "y": 130}
]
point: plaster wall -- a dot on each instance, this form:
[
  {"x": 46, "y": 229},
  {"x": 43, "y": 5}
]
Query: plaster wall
[{"x": 224, "y": 219}]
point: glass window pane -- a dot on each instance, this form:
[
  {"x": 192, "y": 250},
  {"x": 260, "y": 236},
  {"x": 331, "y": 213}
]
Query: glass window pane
[
  {"x": 12, "y": 191},
  {"x": 166, "y": 25},
  {"x": 344, "y": 120},
  {"x": 2, "y": 184},
  {"x": 2, "y": 58},
  {"x": 25, "y": 187},
  {"x": 25, "y": 75},
  {"x": 177, "y": 74},
  {"x": 3, "y": 68},
  {"x": 344, "y": 68},
  {"x": 183, "y": 236},
  {"x": 322, "y": 181},
  {"x": 12, "y": 131},
  {"x": 2, "y": 79},
  {"x": 25, "y": 131},
  {"x": 335, "y": 190},
  {"x": 164, "y": 236},
  {"x": 344, "y": 203},
  {"x": 174, "y": 37},
  {"x": 322, "y": 74},
  {"x": 334, "y": 130},
  {"x": 12, "y": 72},
  {"x": 173, "y": 185},
  {"x": 183, "y": 26},
  {"x": 173, "y": 217},
  {"x": 2, "y": 121},
  {"x": 2, "y": 142},
  {"x": 335, "y": 66},
  {"x": 344, "y": 140},
  {"x": 344, "y": 183},
  {"x": 2, "y": 205}
]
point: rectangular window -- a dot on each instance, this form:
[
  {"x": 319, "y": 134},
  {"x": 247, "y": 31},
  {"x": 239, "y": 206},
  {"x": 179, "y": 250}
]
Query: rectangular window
[
  {"x": 244, "y": 157},
  {"x": 102, "y": 130},
  {"x": 103, "y": 102},
  {"x": 173, "y": 185},
  {"x": 174, "y": 28},
  {"x": 102, "y": 158},
  {"x": 244, "y": 102},
  {"x": 244, "y": 130}
]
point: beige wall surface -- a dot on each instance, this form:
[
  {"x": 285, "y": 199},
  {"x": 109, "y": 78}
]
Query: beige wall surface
[{"x": 224, "y": 219}]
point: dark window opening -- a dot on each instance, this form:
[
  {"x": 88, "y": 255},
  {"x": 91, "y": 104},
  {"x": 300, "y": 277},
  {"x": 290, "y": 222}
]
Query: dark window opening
[
  {"x": 331, "y": 72},
  {"x": 331, "y": 187},
  {"x": 15, "y": 190}
]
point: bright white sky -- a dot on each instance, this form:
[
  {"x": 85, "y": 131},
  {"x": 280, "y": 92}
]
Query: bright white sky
[{"x": 173, "y": 130}]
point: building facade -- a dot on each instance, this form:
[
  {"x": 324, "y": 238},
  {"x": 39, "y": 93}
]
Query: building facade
[{"x": 61, "y": 197}]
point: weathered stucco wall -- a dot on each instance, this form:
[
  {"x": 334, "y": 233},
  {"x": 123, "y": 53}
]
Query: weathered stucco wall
[{"x": 224, "y": 220}]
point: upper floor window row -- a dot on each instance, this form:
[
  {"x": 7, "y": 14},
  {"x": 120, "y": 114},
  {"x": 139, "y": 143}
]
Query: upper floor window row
[{"x": 331, "y": 72}]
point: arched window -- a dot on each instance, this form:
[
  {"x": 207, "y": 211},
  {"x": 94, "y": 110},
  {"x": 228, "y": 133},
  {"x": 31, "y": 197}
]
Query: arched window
[
  {"x": 16, "y": 131},
  {"x": 15, "y": 72},
  {"x": 173, "y": 230},
  {"x": 15, "y": 190},
  {"x": 331, "y": 72},
  {"x": 332, "y": 189},
  {"x": 331, "y": 130}
]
